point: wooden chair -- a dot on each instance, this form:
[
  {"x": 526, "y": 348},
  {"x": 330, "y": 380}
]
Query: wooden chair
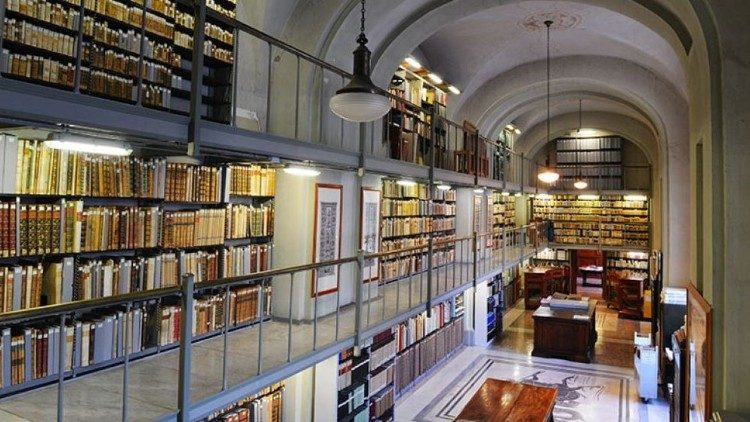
[{"x": 610, "y": 293}]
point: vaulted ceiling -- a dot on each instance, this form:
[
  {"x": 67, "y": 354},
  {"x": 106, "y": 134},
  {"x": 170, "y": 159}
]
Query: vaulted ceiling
[{"x": 625, "y": 58}]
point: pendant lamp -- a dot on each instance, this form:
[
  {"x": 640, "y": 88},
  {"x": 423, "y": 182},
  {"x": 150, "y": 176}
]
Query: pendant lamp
[
  {"x": 360, "y": 101},
  {"x": 548, "y": 175},
  {"x": 580, "y": 183}
]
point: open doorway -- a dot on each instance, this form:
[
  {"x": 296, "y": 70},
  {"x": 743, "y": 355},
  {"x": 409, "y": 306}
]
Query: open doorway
[{"x": 588, "y": 266}]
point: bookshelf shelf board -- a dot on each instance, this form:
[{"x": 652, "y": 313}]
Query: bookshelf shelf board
[
  {"x": 159, "y": 13},
  {"x": 257, "y": 240},
  {"x": 37, "y": 81},
  {"x": 117, "y": 23},
  {"x": 108, "y": 71},
  {"x": 108, "y": 96},
  {"x": 249, "y": 199}
]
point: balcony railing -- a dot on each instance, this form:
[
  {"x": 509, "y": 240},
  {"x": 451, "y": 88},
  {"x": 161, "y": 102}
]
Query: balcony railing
[{"x": 212, "y": 365}]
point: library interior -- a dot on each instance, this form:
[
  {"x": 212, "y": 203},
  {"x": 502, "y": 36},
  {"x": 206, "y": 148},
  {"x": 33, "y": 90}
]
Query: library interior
[{"x": 384, "y": 210}]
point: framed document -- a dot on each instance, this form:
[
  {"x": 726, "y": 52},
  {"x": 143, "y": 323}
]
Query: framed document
[
  {"x": 369, "y": 216},
  {"x": 327, "y": 237}
]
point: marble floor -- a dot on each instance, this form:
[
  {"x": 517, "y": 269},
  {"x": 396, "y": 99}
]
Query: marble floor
[
  {"x": 601, "y": 391},
  {"x": 152, "y": 387}
]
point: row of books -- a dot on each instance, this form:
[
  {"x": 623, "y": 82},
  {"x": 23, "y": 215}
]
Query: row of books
[
  {"x": 69, "y": 227},
  {"x": 381, "y": 404},
  {"x": 415, "y": 226},
  {"x": 30, "y": 286},
  {"x": 50, "y": 12},
  {"x": 23, "y": 32},
  {"x": 575, "y": 144},
  {"x": 190, "y": 183},
  {"x": 30, "y": 167},
  {"x": 37, "y": 68},
  {"x": 423, "y": 355},
  {"x": 391, "y": 189},
  {"x": 390, "y": 245},
  {"x": 413, "y": 207},
  {"x": 32, "y": 352},
  {"x": 252, "y": 180},
  {"x": 405, "y": 266},
  {"x": 420, "y": 326},
  {"x": 245, "y": 221},
  {"x": 203, "y": 227},
  {"x": 380, "y": 379},
  {"x": 263, "y": 407}
]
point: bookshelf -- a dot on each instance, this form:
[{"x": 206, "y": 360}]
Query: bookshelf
[
  {"x": 634, "y": 262},
  {"x": 503, "y": 215},
  {"x": 552, "y": 258},
  {"x": 132, "y": 51},
  {"x": 511, "y": 286},
  {"x": 598, "y": 160},
  {"x": 423, "y": 342},
  {"x": 353, "y": 386},
  {"x": 264, "y": 406},
  {"x": 409, "y": 218},
  {"x": 407, "y": 126},
  {"x": 606, "y": 220},
  {"x": 495, "y": 307},
  {"x": 77, "y": 226}
]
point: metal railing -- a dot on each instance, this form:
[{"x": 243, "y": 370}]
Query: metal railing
[{"x": 222, "y": 351}]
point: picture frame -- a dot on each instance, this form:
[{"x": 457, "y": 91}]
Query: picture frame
[
  {"x": 326, "y": 237},
  {"x": 369, "y": 236}
]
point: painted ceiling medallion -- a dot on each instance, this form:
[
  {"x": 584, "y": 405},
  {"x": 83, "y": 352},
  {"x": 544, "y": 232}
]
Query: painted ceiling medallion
[{"x": 560, "y": 19}]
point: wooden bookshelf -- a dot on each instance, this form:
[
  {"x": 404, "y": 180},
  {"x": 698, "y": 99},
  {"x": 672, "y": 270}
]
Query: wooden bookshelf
[
  {"x": 409, "y": 218},
  {"x": 609, "y": 220},
  {"x": 598, "y": 160},
  {"x": 130, "y": 50}
]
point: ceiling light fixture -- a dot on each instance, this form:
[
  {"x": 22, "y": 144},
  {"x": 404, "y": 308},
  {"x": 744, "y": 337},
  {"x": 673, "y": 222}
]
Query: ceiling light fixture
[
  {"x": 435, "y": 78},
  {"x": 544, "y": 196},
  {"x": 360, "y": 101},
  {"x": 548, "y": 175},
  {"x": 635, "y": 198},
  {"x": 302, "y": 171},
  {"x": 406, "y": 182},
  {"x": 517, "y": 195},
  {"x": 413, "y": 63},
  {"x": 517, "y": 131},
  {"x": 479, "y": 190},
  {"x": 454, "y": 90},
  {"x": 588, "y": 197},
  {"x": 584, "y": 133},
  {"x": 443, "y": 187},
  {"x": 86, "y": 144},
  {"x": 505, "y": 193},
  {"x": 580, "y": 184}
]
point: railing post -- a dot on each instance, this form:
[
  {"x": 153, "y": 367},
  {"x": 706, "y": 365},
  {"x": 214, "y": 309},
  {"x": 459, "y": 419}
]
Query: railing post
[
  {"x": 61, "y": 371},
  {"x": 186, "y": 343},
  {"x": 196, "y": 80},
  {"x": 358, "y": 297}
]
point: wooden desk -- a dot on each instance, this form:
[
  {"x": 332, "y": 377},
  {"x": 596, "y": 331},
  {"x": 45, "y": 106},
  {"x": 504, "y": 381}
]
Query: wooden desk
[
  {"x": 589, "y": 271},
  {"x": 498, "y": 400},
  {"x": 538, "y": 284},
  {"x": 557, "y": 334}
]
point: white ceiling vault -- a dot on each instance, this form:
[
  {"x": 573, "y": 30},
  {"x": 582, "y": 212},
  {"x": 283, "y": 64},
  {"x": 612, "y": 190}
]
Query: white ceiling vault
[
  {"x": 623, "y": 57},
  {"x": 629, "y": 61}
]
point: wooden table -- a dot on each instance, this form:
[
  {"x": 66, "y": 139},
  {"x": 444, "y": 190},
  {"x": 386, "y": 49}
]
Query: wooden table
[
  {"x": 589, "y": 271},
  {"x": 498, "y": 400},
  {"x": 558, "y": 333}
]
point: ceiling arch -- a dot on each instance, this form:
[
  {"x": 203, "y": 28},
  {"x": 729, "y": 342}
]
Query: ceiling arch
[
  {"x": 532, "y": 111},
  {"x": 532, "y": 141}
]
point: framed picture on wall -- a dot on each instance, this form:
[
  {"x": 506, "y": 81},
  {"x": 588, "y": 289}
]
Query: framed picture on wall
[
  {"x": 327, "y": 237},
  {"x": 369, "y": 215}
]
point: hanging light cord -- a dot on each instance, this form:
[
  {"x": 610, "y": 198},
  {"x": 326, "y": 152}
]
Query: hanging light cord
[
  {"x": 548, "y": 24},
  {"x": 362, "y": 39}
]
